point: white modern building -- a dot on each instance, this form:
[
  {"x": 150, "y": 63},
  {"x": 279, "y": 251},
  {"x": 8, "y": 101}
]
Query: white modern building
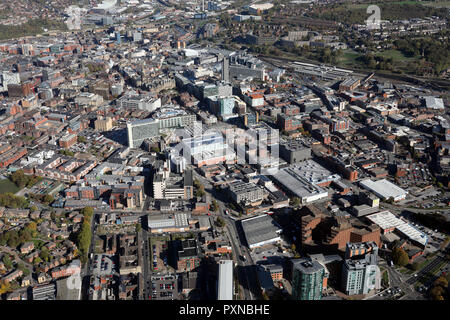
[
  {"x": 141, "y": 102},
  {"x": 138, "y": 131},
  {"x": 434, "y": 103},
  {"x": 225, "y": 281},
  {"x": 384, "y": 189},
  {"x": 306, "y": 180},
  {"x": 207, "y": 149},
  {"x": 359, "y": 276},
  {"x": 388, "y": 222}
]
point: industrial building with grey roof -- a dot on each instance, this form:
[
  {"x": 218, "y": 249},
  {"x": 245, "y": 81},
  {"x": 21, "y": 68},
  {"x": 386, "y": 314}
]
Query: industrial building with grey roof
[{"x": 261, "y": 230}]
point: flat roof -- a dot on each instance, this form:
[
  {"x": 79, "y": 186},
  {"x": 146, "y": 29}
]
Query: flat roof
[
  {"x": 383, "y": 188},
  {"x": 302, "y": 180},
  {"x": 65, "y": 290},
  {"x": 386, "y": 220},
  {"x": 307, "y": 266},
  {"x": 260, "y": 229},
  {"x": 225, "y": 282}
]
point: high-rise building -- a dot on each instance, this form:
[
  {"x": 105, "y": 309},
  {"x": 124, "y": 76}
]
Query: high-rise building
[
  {"x": 225, "y": 69},
  {"x": 360, "y": 272},
  {"x": 307, "y": 279},
  {"x": 140, "y": 130},
  {"x": 221, "y": 106},
  {"x": 118, "y": 39},
  {"x": 225, "y": 281}
]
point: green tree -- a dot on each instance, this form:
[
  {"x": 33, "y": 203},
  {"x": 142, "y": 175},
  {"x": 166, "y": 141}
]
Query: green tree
[
  {"x": 13, "y": 239},
  {"x": 400, "y": 257},
  {"x": 415, "y": 266},
  {"x": 19, "y": 178},
  {"x": 44, "y": 254},
  {"x": 48, "y": 198},
  {"x": 385, "y": 279},
  {"x": 214, "y": 206},
  {"x": 37, "y": 260},
  {"x": 199, "y": 193},
  {"x": 24, "y": 235},
  {"x": 138, "y": 227},
  {"x": 84, "y": 240},
  {"x": 7, "y": 261},
  {"x": 24, "y": 269},
  {"x": 155, "y": 149},
  {"x": 87, "y": 212},
  {"x": 66, "y": 152},
  {"x": 441, "y": 281},
  {"x": 295, "y": 201},
  {"x": 11, "y": 201},
  {"x": 220, "y": 222}
]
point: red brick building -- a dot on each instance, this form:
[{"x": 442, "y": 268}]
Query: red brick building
[{"x": 68, "y": 140}]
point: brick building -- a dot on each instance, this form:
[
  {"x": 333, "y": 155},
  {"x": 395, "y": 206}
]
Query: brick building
[
  {"x": 68, "y": 140},
  {"x": 188, "y": 258}
]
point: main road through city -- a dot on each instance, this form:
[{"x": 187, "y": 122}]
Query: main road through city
[{"x": 245, "y": 268}]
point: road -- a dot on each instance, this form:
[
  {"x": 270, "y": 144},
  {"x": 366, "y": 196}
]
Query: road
[
  {"x": 428, "y": 268},
  {"x": 416, "y": 210},
  {"x": 406, "y": 282},
  {"x": 245, "y": 269},
  {"x": 86, "y": 269},
  {"x": 146, "y": 271}
]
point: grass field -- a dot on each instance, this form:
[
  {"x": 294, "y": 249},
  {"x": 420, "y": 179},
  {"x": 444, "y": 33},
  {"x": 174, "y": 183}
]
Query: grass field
[
  {"x": 349, "y": 59},
  {"x": 7, "y": 186},
  {"x": 395, "y": 55}
]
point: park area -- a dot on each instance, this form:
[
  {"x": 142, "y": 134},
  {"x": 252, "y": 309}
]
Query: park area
[
  {"x": 351, "y": 59},
  {"x": 7, "y": 185}
]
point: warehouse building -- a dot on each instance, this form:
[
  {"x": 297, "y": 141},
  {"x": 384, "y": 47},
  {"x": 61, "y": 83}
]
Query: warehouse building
[
  {"x": 261, "y": 230},
  {"x": 384, "y": 189},
  {"x": 306, "y": 180},
  {"x": 388, "y": 222}
]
